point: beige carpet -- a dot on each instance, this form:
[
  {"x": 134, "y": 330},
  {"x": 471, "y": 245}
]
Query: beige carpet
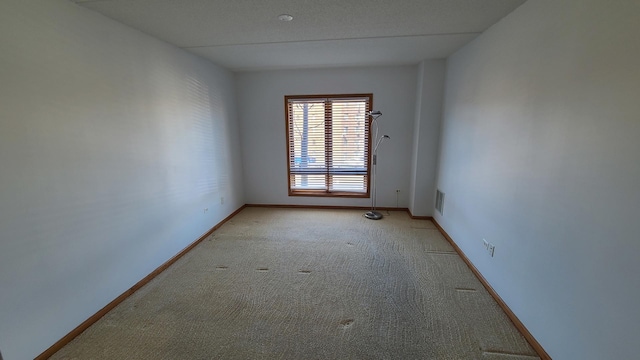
[{"x": 310, "y": 284}]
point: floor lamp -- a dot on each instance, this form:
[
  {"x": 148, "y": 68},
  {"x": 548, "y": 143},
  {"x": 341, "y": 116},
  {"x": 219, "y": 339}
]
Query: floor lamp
[{"x": 373, "y": 214}]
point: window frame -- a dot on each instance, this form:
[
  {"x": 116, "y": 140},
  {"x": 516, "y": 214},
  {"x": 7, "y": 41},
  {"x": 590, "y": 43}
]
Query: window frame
[{"x": 367, "y": 123}]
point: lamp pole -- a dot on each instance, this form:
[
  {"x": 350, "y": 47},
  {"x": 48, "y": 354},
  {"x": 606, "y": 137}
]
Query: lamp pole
[{"x": 373, "y": 214}]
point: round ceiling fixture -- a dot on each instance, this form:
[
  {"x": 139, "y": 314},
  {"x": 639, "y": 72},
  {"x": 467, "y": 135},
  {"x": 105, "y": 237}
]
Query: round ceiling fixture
[{"x": 285, "y": 17}]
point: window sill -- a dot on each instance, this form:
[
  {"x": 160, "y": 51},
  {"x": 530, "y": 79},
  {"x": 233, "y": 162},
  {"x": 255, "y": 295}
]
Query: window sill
[{"x": 320, "y": 193}]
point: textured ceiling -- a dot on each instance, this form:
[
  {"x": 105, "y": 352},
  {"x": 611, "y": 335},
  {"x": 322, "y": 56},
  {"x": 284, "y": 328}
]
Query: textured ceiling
[{"x": 246, "y": 35}]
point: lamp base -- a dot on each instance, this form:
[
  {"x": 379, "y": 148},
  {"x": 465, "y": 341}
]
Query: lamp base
[{"x": 373, "y": 215}]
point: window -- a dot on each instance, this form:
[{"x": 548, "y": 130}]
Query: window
[{"x": 328, "y": 144}]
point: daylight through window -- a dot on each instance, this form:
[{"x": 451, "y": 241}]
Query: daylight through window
[{"x": 328, "y": 145}]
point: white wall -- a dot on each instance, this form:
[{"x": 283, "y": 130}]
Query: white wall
[
  {"x": 426, "y": 132},
  {"x": 111, "y": 145},
  {"x": 540, "y": 155},
  {"x": 261, "y": 110}
]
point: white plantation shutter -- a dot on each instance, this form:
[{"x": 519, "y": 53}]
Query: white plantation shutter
[{"x": 328, "y": 144}]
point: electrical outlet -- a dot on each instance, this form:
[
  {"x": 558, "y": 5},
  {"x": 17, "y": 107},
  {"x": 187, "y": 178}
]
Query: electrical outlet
[
  {"x": 397, "y": 190},
  {"x": 486, "y": 244},
  {"x": 491, "y": 249},
  {"x": 221, "y": 200}
]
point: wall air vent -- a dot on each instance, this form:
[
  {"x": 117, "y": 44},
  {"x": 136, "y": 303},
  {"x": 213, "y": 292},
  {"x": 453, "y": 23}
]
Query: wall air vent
[{"x": 440, "y": 201}]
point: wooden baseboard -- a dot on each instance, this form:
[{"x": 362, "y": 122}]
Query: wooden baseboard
[
  {"x": 326, "y": 207},
  {"x": 419, "y": 217},
  {"x": 518, "y": 324},
  {"x": 90, "y": 321}
]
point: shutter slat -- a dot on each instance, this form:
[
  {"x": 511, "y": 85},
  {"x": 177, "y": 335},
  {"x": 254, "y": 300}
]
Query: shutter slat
[{"x": 329, "y": 143}]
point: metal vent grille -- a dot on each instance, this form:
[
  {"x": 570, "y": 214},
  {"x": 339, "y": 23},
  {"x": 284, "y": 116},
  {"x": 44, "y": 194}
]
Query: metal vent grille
[{"x": 440, "y": 201}]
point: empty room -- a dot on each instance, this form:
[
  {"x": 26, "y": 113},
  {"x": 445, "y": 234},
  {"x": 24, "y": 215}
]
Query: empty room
[{"x": 279, "y": 179}]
